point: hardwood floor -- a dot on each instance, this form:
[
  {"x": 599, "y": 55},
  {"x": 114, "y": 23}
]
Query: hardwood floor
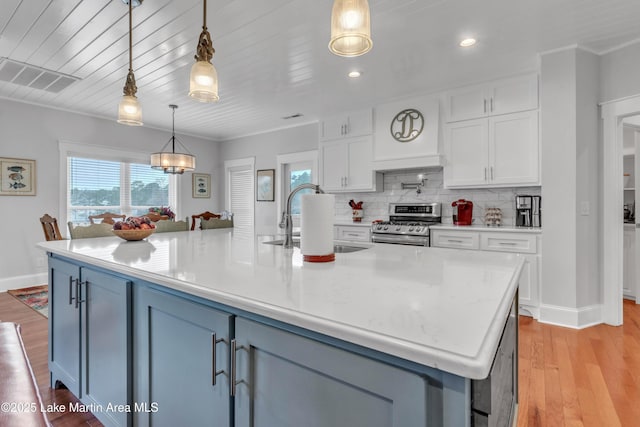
[
  {"x": 588, "y": 377},
  {"x": 35, "y": 336}
]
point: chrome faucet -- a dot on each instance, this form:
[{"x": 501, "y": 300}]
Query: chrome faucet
[{"x": 286, "y": 221}]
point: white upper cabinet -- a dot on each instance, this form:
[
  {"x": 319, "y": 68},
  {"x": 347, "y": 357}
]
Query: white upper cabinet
[
  {"x": 346, "y": 165},
  {"x": 347, "y": 125},
  {"x": 498, "y": 151},
  {"x": 501, "y": 97}
]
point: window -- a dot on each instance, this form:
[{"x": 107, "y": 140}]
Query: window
[
  {"x": 296, "y": 175},
  {"x": 294, "y": 169},
  {"x": 101, "y": 181}
]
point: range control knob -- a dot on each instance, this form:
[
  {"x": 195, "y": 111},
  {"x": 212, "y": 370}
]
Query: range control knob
[
  {"x": 398, "y": 228},
  {"x": 386, "y": 227}
]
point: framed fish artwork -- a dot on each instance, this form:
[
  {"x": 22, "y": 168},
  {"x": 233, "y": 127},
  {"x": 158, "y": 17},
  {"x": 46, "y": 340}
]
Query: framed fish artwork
[
  {"x": 17, "y": 177},
  {"x": 201, "y": 185}
]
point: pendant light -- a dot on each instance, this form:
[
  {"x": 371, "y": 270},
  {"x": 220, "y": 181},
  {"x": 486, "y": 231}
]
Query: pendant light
[
  {"x": 203, "y": 82},
  {"x": 350, "y": 28},
  {"x": 129, "y": 111},
  {"x": 170, "y": 161}
]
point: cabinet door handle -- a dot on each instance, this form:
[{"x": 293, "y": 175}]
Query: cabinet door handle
[
  {"x": 485, "y": 105},
  {"x": 78, "y": 289},
  {"x": 491, "y": 173},
  {"x": 492, "y": 104},
  {"x": 214, "y": 373},
  {"x": 234, "y": 367},
  {"x": 71, "y": 298},
  {"x": 485, "y": 174}
]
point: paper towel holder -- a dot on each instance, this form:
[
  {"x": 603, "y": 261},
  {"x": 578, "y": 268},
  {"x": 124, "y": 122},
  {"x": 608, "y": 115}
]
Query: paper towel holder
[{"x": 286, "y": 221}]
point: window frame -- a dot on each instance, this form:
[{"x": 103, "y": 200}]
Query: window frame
[{"x": 70, "y": 149}]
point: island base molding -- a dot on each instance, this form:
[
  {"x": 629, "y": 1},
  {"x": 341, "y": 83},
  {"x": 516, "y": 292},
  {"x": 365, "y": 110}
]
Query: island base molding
[{"x": 569, "y": 317}]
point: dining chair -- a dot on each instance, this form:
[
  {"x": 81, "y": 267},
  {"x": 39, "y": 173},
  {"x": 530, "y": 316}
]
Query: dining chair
[
  {"x": 203, "y": 216},
  {"x": 155, "y": 217},
  {"x": 107, "y": 218},
  {"x": 50, "y": 228},
  {"x": 167, "y": 226},
  {"x": 88, "y": 231}
]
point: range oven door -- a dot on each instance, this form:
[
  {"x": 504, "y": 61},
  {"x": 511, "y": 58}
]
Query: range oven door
[{"x": 400, "y": 239}]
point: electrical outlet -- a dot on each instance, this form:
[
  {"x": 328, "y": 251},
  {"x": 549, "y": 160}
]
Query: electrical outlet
[{"x": 585, "y": 208}]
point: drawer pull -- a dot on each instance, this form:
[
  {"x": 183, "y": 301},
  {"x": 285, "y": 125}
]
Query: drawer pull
[
  {"x": 508, "y": 243},
  {"x": 455, "y": 241}
]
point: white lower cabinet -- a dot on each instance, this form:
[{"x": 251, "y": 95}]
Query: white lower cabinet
[
  {"x": 526, "y": 244},
  {"x": 352, "y": 232}
]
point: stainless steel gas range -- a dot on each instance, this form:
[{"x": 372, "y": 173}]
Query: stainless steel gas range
[{"x": 408, "y": 224}]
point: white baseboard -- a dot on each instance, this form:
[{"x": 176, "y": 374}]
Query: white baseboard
[
  {"x": 576, "y": 318},
  {"x": 23, "y": 281}
]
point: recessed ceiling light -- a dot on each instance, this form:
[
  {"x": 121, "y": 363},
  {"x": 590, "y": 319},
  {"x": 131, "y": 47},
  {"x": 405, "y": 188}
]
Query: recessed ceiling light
[
  {"x": 468, "y": 42},
  {"x": 354, "y": 74}
]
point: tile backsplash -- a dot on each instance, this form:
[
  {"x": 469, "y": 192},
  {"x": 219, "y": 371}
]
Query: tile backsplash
[{"x": 376, "y": 204}]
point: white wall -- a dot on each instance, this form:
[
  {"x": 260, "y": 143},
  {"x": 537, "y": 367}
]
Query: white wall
[
  {"x": 32, "y": 132},
  {"x": 558, "y": 150},
  {"x": 588, "y": 179},
  {"x": 619, "y": 73},
  {"x": 571, "y": 176},
  {"x": 265, "y": 147}
]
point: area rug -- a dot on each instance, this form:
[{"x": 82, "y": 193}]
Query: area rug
[{"x": 36, "y": 297}]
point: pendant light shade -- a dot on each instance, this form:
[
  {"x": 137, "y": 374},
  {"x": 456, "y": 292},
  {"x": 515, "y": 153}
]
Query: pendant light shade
[
  {"x": 129, "y": 111},
  {"x": 170, "y": 161},
  {"x": 350, "y": 28},
  {"x": 203, "y": 82}
]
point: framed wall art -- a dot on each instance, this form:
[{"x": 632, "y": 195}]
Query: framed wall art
[
  {"x": 17, "y": 177},
  {"x": 201, "y": 185},
  {"x": 265, "y": 185}
]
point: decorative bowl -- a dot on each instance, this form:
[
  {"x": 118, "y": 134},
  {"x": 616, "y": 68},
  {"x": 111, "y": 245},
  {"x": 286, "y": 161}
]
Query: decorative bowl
[{"x": 132, "y": 235}]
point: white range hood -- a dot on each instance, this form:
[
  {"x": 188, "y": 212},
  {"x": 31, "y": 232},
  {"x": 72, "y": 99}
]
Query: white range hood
[{"x": 407, "y": 134}]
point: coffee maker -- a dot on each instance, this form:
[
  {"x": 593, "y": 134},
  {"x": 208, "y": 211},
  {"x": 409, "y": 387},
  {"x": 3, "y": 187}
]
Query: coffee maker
[
  {"x": 528, "y": 211},
  {"x": 462, "y": 212}
]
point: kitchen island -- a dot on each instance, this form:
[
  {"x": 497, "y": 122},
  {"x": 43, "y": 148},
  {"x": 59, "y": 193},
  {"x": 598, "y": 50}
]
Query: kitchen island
[{"x": 212, "y": 325}]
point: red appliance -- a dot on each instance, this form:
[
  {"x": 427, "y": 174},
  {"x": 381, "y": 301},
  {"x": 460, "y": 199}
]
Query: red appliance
[{"x": 462, "y": 212}]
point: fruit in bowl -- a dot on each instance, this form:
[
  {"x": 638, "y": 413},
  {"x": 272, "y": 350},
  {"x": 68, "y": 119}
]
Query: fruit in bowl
[{"x": 134, "y": 228}]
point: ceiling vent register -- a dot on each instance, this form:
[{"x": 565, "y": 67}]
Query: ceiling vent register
[{"x": 34, "y": 77}]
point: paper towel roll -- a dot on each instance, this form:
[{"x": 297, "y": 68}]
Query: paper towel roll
[{"x": 316, "y": 227}]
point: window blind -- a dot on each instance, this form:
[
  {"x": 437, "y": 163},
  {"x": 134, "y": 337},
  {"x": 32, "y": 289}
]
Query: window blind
[
  {"x": 241, "y": 199},
  {"x": 96, "y": 186}
]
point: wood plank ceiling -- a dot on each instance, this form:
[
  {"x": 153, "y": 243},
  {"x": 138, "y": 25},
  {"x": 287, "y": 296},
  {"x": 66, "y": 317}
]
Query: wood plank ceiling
[{"x": 272, "y": 57}]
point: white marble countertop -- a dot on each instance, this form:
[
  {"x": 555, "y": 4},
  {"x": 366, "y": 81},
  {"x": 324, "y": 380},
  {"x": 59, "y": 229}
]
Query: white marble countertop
[
  {"x": 480, "y": 227},
  {"x": 427, "y": 305}
]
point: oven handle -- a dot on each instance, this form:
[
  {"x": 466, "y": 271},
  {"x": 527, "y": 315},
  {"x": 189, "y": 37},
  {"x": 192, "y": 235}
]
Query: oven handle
[{"x": 400, "y": 239}]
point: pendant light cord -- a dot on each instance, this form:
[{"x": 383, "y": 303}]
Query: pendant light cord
[
  {"x": 204, "y": 16},
  {"x": 130, "y": 38},
  {"x": 173, "y": 129}
]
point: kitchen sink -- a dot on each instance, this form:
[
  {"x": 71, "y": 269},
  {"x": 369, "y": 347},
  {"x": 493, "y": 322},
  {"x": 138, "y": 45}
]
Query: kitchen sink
[{"x": 338, "y": 248}]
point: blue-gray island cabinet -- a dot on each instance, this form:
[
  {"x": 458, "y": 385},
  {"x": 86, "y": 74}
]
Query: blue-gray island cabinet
[{"x": 208, "y": 328}]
